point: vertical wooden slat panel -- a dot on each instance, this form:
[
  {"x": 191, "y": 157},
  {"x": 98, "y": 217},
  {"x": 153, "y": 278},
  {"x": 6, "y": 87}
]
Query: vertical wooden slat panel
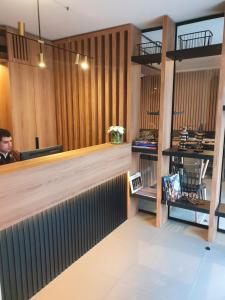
[
  {"x": 89, "y": 92},
  {"x": 93, "y": 93},
  {"x": 81, "y": 101},
  {"x": 75, "y": 85},
  {"x": 102, "y": 90},
  {"x": 114, "y": 66},
  {"x": 107, "y": 89},
  {"x": 86, "y": 98},
  {"x": 125, "y": 81},
  {"x": 63, "y": 99},
  {"x": 121, "y": 80},
  {"x": 99, "y": 69},
  {"x": 68, "y": 95},
  {"x": 57, "y": 96}
]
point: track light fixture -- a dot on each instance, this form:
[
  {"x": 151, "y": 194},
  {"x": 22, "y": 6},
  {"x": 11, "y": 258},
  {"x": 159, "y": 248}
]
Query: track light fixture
[{"x": 84, "y": 63}]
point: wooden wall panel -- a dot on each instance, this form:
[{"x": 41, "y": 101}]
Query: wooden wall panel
[
  {"x": 23, "y": 106},
  {"x": 99, "y": 94},
  {"x": 5, "y": 115},
  {"x": 195, "y": 95}
]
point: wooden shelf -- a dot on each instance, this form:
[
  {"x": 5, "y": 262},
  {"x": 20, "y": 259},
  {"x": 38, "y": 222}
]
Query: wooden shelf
[
  {"x": 211, "y": 50},
  {"x": 146, "y": 193},
  {"x": 220, "y": 211},
  {"x": 147, "y": 59},
  {"x": 149, "y": 157},
  {"x": 189, "y": 153},
  {"x": 183, "y": 203}
]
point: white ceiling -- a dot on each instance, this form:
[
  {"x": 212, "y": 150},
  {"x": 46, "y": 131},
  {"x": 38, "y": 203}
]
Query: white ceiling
[{"x": 90, "y": 15}]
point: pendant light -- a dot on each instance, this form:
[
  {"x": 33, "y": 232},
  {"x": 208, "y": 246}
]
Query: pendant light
[
  {"x": 21, "y": 28},
  {"x": 41, "y": 62},
  {"x": 85, "y": 64},
  {"x": 77, "y": 59}
]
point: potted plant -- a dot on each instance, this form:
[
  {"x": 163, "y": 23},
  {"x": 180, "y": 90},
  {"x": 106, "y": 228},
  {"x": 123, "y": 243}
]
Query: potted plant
[{"x": 116, "y": 134}]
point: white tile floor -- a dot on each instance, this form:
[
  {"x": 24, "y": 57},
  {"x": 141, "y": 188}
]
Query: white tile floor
[{"x": 140, "y": 262}]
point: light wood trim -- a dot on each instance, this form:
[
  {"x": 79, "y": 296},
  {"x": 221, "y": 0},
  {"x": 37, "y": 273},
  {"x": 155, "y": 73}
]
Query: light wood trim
[
  {"x": 218, "y": 152},
  {"x": 166, "y": 95},
  {"x": 35, "y": 185}
]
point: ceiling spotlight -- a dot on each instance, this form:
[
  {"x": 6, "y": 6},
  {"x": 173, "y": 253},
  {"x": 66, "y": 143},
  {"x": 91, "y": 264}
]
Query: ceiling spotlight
[
  {"x": 21, "y": 28},
  {"x": 77, "y": 59},
  {"x": 41, "y": 62},
  {"x": 85, "y": 64}
]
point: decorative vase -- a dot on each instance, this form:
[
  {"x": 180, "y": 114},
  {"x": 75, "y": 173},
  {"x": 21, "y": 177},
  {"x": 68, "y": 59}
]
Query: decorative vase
[{"x": 116, "y": 138}]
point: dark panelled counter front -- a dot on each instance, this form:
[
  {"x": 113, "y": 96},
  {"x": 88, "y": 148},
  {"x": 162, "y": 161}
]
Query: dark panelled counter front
[{"x": 35, "y": 251}]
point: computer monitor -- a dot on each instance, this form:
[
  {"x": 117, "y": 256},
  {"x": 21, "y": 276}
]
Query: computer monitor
[{"x": 41, "y": 152}]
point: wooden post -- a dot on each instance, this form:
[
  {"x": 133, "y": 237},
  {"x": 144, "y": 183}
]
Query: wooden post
[
  {"x": 133, "y": 109},
  {"x": 166, "y": 97},
  {"x": 218, "y": 152}
]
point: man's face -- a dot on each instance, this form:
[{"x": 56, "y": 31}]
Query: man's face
[{"x": 6, "y": 144}]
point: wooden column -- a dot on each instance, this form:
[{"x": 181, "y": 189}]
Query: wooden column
[
  {"x": 165, "y": 109},
  {"x": 133, "y": 109},
  {"x": 218, "y": 152}
]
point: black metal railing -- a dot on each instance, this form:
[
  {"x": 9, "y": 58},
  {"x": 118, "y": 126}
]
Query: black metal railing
[
  {"x": 195, "y": 39},
  {"x": 150, "y": 47}
]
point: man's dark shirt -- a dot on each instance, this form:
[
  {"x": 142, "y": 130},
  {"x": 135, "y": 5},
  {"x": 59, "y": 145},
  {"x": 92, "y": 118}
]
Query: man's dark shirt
[{"x": 9, "y": 158}]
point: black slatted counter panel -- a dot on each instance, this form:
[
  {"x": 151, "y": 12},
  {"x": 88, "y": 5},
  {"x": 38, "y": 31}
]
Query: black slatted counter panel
[{"x": 35, "y": 251}]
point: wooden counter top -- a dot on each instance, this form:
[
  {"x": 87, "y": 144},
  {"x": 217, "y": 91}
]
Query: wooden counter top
[{"x": 31, "y": 186}]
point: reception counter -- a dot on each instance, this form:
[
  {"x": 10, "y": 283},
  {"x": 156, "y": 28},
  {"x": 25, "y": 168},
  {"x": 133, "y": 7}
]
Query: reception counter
[
  {"x": 54, "y": 209},
  {"x": 34, "y": 185}
]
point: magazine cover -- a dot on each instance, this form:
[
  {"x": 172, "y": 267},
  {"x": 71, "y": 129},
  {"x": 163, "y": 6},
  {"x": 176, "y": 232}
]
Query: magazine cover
[{"x": 171, "y": 187}]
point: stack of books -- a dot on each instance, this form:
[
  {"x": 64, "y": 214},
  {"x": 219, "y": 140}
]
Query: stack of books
[{"x": 145, "y": 144}]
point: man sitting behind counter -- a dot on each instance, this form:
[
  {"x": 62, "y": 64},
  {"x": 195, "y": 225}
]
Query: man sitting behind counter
[{"x": 7, "y": 155}]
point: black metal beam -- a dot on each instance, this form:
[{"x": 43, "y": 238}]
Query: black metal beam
[
  {"x": 193, "y": 207},
  {"x": 211, "y": 50},
  {"x": 150, "y": 29},
  {"x": 147, "y": 59},
  {"x": 199, "y": 19}
]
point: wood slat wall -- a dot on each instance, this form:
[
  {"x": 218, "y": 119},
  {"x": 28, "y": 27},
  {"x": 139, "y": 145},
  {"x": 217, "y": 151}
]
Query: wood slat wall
[
  {"x": 198, "y": 102},
  {"x": 150, "y": 96},
  {"x": 88, "y": 102}
]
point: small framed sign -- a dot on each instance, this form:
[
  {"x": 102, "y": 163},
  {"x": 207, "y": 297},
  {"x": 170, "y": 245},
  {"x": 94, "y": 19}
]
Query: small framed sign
[{"x": 136, "y": 182}]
